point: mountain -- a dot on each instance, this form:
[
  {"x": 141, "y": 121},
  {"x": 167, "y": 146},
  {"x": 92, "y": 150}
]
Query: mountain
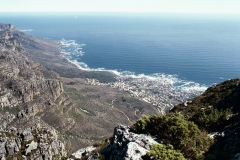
[
  {"x": 47, "y": 110},
  {"x": 24, "y": 93}
]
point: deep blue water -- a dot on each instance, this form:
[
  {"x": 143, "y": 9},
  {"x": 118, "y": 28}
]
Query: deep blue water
[{"x": 201, "y": 48}]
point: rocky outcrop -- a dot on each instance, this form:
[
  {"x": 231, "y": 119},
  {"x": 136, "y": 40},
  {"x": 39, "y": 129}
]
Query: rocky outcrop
[
  {"x": 6, "y": 27},
  {"x": 83, "y": 152},
  {"x": 128, "y": 145},
  {"x": 124, "y": 145},
  {"x": 37, "y": 143}
]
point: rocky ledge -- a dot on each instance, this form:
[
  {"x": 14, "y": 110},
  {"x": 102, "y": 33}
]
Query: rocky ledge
[
  {"x": 124, "y": 145},
  {"x": 31, "y": 143}
]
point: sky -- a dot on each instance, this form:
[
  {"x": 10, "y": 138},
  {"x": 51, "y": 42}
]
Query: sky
[{"x": 163, "y": 6}]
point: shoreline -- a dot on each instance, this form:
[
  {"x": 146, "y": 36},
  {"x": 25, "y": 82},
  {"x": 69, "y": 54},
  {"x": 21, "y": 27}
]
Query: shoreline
[
  {"x": 67, "y": 54},
  {"x": 161, "y": 95},
  {"x": 160, "y": 90}
]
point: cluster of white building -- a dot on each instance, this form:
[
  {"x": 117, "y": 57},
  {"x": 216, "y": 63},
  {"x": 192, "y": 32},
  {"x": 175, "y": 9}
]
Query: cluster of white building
[{"x": 159, "y": 93}]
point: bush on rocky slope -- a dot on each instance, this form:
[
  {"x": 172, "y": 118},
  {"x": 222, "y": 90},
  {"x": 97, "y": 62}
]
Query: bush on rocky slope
[{"x": 177, "y": 131}]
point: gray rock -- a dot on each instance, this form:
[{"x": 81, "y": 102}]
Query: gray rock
[
  {"x": 24, "y": 157},
  {"x": 16, "y": 149},
  {"x": 33, "y": 145},
  {"x": 2, "y": 157},
  {"x": 10, "y": 147},
  {"x": 83, "y": 152},
  {"x": 18, "y": 142},
  {"x": 93, "y": 157},
  {"x": 134, "y": 151},
  {"x": 7, "y": 27},
  {"x": 2, "y": 145},
  {"x": 27, "y": 135},
  {"x": 127, "y": 145},
  {"x": 47, "y": 155},
  {"x": 55, "y": 148}
]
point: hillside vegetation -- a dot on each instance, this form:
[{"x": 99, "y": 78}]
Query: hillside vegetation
[
  {"x": 186, "y": 128},
  {"x": 206, "y": 127}
]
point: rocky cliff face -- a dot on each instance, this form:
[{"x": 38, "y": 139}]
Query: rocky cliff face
[{"x": 26, "y": 97}]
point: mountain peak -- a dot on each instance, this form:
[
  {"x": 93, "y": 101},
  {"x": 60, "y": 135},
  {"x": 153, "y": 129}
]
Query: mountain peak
[{"x": 6, "y": 27}]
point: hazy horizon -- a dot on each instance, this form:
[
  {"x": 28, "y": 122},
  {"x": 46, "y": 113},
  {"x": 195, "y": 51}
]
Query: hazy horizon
[{"x": 151, "y": 6}]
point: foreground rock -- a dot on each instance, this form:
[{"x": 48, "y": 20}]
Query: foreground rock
[
  {"x": 83, "y": 152},
  {"x": 39, "y": 143},
  {"x": 126, "y": 145}
]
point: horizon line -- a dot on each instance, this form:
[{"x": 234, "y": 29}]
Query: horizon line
[{"x": 126, "y": 12}]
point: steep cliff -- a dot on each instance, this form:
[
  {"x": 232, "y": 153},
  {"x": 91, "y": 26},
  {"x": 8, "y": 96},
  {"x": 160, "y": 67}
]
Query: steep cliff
[{"x": 25, "y": 98}]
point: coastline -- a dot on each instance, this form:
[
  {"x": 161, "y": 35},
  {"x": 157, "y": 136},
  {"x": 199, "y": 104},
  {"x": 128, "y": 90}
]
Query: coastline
[{"x": 160, "y": 90}]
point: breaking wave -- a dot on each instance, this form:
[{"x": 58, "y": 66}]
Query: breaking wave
[
  {"x": 74, "y": 51},
  {"x": 26, "y": 30}
]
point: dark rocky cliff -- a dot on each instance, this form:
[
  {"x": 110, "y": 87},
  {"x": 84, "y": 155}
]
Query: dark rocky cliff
[{"x": 25, "y": 95}]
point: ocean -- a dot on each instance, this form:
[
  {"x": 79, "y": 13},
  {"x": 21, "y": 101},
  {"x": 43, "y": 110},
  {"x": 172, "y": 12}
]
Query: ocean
[{"x": 191, "y": 49}]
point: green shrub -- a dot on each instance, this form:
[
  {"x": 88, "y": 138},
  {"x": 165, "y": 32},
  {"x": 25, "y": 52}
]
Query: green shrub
[
  {"x": 210, "y": 119},
  {"x": 165, "y": 152},
  {"x": 177, "y": 131}
]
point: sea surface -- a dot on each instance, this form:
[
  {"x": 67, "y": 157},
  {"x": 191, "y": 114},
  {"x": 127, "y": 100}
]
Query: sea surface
[{"x": 191, "y": 49}]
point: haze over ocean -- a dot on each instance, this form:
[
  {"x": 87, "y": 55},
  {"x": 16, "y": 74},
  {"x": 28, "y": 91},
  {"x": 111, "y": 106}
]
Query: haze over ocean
[{"x": 204, "y": 49}]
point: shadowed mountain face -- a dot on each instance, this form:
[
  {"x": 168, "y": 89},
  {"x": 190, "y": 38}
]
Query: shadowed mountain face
[{"x": 35, "y": 98}]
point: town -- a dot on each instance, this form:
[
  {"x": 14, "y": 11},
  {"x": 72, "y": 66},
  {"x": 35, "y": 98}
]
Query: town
[{"x": 158, "y": 92}]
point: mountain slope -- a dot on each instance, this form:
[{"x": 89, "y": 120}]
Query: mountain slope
[
  {"x": 217, "y": 111},
  {"x": 24, "y": 93},
  {"x": 30, "y": 94}
]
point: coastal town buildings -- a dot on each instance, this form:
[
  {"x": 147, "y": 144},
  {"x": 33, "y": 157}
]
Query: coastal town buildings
[{"x": 158, "y": 92}]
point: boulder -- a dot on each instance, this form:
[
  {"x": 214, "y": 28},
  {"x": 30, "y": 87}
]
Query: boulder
[
  {"x": 33, "y": 145},
  {"x": 134, "y": 151},
  {"x": 83, "y": 152},
  {"x": 127, "y": 145}
]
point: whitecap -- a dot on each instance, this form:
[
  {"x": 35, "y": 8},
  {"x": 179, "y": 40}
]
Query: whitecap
[{"x": 26, "y": 30}]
